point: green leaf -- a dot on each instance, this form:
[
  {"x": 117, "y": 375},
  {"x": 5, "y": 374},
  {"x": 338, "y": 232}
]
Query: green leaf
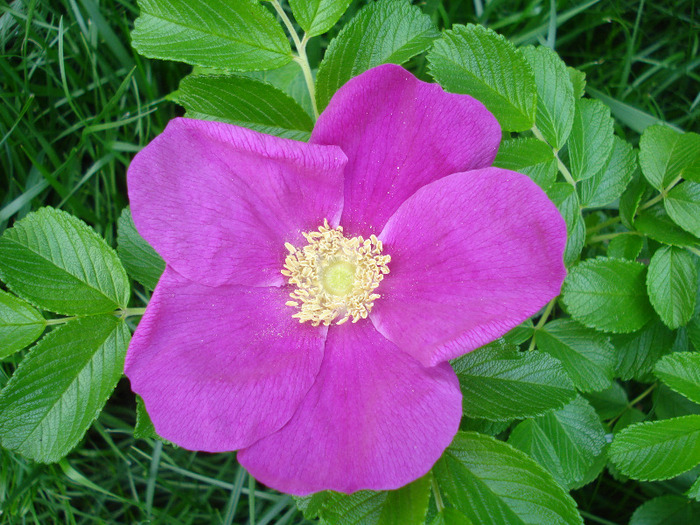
[
  {"x": 566, "y": 441},
  {"x": 565, "y": 198},
  {"x": 477, "y": 61},
  {"x": 240, "y": 35},
  {"x": 405, "y": 506},
  {"x": 631, "y": 198},
  {"x": 657, "y": 450},
  {"x": 669, "y": 404},
  {"x": 289, "y": 79},
  {"x": 665, "y": 155},
  {"x": 484, "y": 426},
  {"x": 144, "y": 428},
  {"x": 317, "y": 16},
  {"x": 20, "y": 324},
  {"x": 681, "y": 372},
  {"x": 611, "y": 180},
  {"x": 450, "y": 516},
  {"x": 694, "y": 490},
  {"x": 638, "y": 352},
  {"x": 656, "y": 223},
  {"x": 609, "y": 403},
  {"x": 246, "y": 102},
  {"x": 608, "y": 294},
  {"x": 56, "y": 262},
  {"x": 139, "y": 258},
  {"x": 578, "y": 81},
  {"x": 529, "y": 156},
  {"x": 683, "y": 206},
  {"x": 493, "y": 483},
  {"x": 61, "y": 386},
  {"x": 587, "y": 356},
  {"x": 555, "y": 94},
  {"x": 500, "y": 384},
  {"x": 667, "y": 510},
  {"x": 591, "y": 139},
  {"x": 626, "y": 246},
  {"x": 672, "y": 281},
  {"x": 388, "y": 32}
]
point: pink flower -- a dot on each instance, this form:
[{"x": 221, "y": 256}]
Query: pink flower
[{"x": 221, "y": 358}]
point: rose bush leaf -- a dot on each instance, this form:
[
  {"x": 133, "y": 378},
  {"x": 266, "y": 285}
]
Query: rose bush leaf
[
  {"x": 500, "y": 384},
  {"x": 477, "y": 61},
  {"x": 555, "y": 94},
  {"x": 587, "y": 356},
  {"x": 665, "y": 154},
  {"x": 55, "y": 261},
  {"x": 450, "y": 516},
  {"x": 666, "y": 510},
  {"x": 241, "y": 35},
  {"x": 608, "y": 294},
  {"x": 681, "y": 372},
  {"x": 656, "y": 224},
  {"x": 389, "y": 32},
  {"x": 626, "y": 246},
  {"x": 317, "y": 16},
  {"x": 493, "y": 483},
  {"x": 638, "y": 352},
  {"x": 530, "y": 156},
  {"x": 672, "y": 281},
  {"x": 243, "y": 101},
  {"x": 564, "y": 196},
  {"x": 683, "y": 206},
  {"x": 566, "y": 441},
  {"x": 139, "y": 258},
  {"x": 657, "y": 450},
  {"x": 591, "y": 139},
  {"x": 61, "y": 386},
  {"x": 20, "y": 324},
  {"x": 608, "y": 183}
]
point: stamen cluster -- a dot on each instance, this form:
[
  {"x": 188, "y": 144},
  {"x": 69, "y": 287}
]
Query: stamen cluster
[{"x": 307, "y": 268}]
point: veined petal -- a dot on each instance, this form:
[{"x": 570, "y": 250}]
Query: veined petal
[
  {"x": 374, "y": 419},
  {"x": 218, "y": 201},
  {"x": 220, "y": 368},
  {"x": 472, "y": 256},
  {"x": 399, "y": 134}
]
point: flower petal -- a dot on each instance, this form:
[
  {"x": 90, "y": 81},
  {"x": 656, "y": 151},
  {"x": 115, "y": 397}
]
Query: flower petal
[
  {"x": 218, "y": 201},
  {"x": 220, "y": 368},
  {"x": 374, "y": 419},
  {"x": 399, "y": 134},
  {"x": 472, "y": 256}
]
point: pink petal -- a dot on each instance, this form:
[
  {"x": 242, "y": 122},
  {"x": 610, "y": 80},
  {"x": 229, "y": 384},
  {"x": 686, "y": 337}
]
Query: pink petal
[
  {"x": 472, "y": 256},
  {"x": 220, "y": 368},
  {"x": 374, "y": 419},
  {"x": 399, "y": 134},
  {"x": 218, "y": 201}
]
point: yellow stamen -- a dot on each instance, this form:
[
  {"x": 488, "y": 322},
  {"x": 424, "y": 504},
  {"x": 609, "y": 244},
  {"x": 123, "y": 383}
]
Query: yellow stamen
[{"x": 334, "y": 276}]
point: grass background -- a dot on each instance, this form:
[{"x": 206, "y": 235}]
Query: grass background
[{"x": 77, "y": 103}]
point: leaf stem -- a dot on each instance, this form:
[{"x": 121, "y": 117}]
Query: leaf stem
[
  {"x": 436, "y": 492},
  {"x": 122, "y": 313},
  {"x": 602, "y": 225},
  {"x": 662, "y": 194},
  {"x": 545, "y": 315},
  {"x": 608, "y": 236},
  {"x": 301, "y": 57},
  {"x": 560, "y": 165}
]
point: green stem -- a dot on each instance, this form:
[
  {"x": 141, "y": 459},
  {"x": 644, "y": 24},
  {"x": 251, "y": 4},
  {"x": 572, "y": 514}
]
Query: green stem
[
  {"x": 301, "y": 57},
  {"x": 694, "y": 250},
  {"x": 123, "y": 313},
  {"x": 60, "y": 320},
  {"x": 560, "y": 165},
  {"x": 436, "y": 492},
  {"x": 545, "y": 315},
  {"x": 608, "y": 236},
  {"x": 661, "y": 196},
  {"x": 602, "y": 225}
]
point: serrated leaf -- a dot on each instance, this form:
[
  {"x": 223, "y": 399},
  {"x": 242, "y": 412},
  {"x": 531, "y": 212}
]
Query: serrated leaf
[
  {"x": 317, "y": 16},
  {"x": 566, "y": 441},
  {"x": 450, "y": 516},
  {"x": 20, "y": 324},
  {"x": 405, "y": 506},
  {"x": 681, "y": 372},
  {"x": 578, "y": 81},
  {"x": 555, "y": 94},
  {"x": 626, "y": 246},
  {"x": 484, "y": 426},
  {"x": 608, "y": 294},
  {"x": 611, "y": 180},
  {"x": 477, "y": 61},
  {"x": 520, "y": 333},
  {"x": 240, "y": 35},
  {"x": 144, "y": 428},
  {"x": 243, "y": 101},
  {"x": 667, "y": 510},
  {"x": 656, "y": 223},
  {"x": 388, "y": 32},
  {"x": 609, "y": 403},
  {"x": 670, "y": 404},
  {"x": 591, "y": 139},
  {"x": 492, "y": 483},
  {"x": 56, "y": 262},
  {"x": 587, "y": 356},
  {"x": 289, "y": 79},
  {"x": 638, "y": 352},
  {"x": 565, "y": 198},
  {"x": 665, "y": 155},
  {"x": 61, "y": 387},
  {"x": 683, "y": 206},
  {"x": 657, "y": 450},
  {"x": 529, "y": 156},
  {"x": 501, "y": 384},
  {"x": 631, "y": 199},
  {"x": 694, "y": 490},
  {"x": 672, "y": 281},
  {"x": 139, "y": 258}
]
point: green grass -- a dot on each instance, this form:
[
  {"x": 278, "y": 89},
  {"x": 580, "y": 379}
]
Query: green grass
[{"x": 76, "y": 103}]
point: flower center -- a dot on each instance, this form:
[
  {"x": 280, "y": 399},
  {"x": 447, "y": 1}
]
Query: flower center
[{"x": 335, "y": 276}]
